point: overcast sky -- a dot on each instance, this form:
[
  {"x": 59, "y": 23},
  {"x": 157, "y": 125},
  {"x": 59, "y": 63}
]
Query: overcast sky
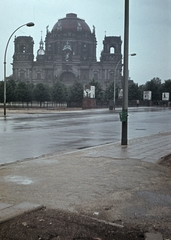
[{"x": 149, "y": 32}]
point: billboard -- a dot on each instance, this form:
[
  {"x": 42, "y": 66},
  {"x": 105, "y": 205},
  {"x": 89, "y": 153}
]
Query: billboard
[
  {"x": 92, "y": 91},
  {"x": 89, "y": 91},
  {"x": 165, "y": 96},
  {"x": 120, "y": 93},
  {"x": 147, "y": 95}
]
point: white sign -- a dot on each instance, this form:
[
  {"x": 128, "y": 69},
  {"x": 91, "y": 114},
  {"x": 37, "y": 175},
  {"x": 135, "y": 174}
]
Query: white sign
[
  {"x": 165, "y": 96},
  {"x": 147, "y": 95},
  {"x": 120, "y": 93},
  {"x": 89, "y": 91},
  {"x": 92, "y": 93}
]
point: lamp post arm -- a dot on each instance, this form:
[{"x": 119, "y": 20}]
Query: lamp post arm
[
  {"x": 5, "y": 66},
  {"x": 9, "y": 41},
  {"x": 114, "y": 85},
  {"x": 118, "y": 65}
]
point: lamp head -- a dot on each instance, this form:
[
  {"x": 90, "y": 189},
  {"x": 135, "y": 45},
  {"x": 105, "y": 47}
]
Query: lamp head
[{"x": 30, "y": 24}]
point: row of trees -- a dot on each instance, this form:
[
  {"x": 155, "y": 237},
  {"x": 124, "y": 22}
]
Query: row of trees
[
  {"x": 136, "y": 92},
  {"x": 155, "y": 85},
  {"x": 27, "y": 92}
]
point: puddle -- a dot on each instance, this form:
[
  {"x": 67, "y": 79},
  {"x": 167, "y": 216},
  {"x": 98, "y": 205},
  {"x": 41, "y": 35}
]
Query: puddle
[
  {"x": 155, "y": 198},
  {"x": 19, "y": 180},
  {"x": 84, "y": 147}
]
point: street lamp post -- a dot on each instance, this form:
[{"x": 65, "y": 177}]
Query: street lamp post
[
  {"x": 116, "y": 68},
  {"x": 30, "y": 24},
  {"x": 114, "y": 84},
  {"x": 125, "y": 85}
]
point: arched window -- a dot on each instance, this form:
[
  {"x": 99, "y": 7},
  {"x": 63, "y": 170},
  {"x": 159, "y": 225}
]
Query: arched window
[
  {"x": 39, "y": 75},
  {"x": 22, "y": 75},
  {"x": 111, "y": 75},
  {"x": 112, "y": 50},
  {"x": 67, "y": 78},
  {"x": 22, "y": 48}
]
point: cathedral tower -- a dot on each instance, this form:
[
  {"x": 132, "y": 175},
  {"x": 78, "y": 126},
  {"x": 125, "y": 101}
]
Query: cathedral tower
[{"x": 23, "y": 58}]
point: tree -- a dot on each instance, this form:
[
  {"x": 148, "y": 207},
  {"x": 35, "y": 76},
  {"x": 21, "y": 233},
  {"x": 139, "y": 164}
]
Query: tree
[
  {"x": 76, "y": 92},
  {"x": 166, "y": 87},
  {"x": 98, "y": 89},
  {"x": 1, "y": 91},
  {"x": 141, "y": 89},
  {"x": 109, "y": 92},
  {"x": 59, "y": 92},
  {"x": 156, "y": 87},
  {"x": 42, "y": 93},
  {"x": 11, "y": 91},
  {"x": 24, "y": 92},
  {"x": 133, "y": 92},
  {"x": 30, "y": 87}
]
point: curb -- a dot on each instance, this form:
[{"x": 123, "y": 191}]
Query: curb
[{"x": 13, "y": 211}]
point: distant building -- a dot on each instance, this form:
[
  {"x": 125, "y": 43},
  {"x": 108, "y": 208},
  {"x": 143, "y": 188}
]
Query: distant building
[{"x": 68, "y": 53}]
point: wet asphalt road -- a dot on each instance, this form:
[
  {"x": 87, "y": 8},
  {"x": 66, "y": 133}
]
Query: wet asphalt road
[{"x": 32, "y": 135}]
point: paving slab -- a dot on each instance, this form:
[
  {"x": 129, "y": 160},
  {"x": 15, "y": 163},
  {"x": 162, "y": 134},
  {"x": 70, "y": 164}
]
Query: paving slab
[
  {"x": 153, "y": 236},
  {"x": 4, "y": 205},
  {"x": 9, "y": 211}
]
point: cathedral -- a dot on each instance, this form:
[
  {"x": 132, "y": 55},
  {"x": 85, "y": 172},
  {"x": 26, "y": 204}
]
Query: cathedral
[{"x": 68, "y": 53}]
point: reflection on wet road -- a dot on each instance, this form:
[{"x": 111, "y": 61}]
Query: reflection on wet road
[{"x": 31, "y": 135}]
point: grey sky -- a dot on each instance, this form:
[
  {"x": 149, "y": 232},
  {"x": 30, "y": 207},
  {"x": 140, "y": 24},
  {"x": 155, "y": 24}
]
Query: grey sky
[{"x": 150, "y": 29}]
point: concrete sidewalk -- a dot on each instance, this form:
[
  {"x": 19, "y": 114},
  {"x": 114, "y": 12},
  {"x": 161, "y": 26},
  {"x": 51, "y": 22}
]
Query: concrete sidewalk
[{"x": 114, "y": 182}]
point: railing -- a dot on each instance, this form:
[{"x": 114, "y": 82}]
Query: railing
[
  {"x": 34, "y": 105},
  {"x": 99, "y": 104}
]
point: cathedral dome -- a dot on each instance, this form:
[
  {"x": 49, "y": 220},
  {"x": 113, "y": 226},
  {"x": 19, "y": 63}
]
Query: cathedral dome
[{"x": 71, "y": 22}]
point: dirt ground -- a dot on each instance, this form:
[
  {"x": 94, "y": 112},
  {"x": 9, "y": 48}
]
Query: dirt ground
[
  {"x": 166, "y": 161},
  {"x": 59, "y": 225},
  {"x": 50, "y": 224}
]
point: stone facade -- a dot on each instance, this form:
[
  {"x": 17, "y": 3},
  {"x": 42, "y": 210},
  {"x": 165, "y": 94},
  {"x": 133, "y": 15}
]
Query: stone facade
[{"x": 69, "y": 53}]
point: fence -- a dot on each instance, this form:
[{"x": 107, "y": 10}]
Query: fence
[
  {"x": 64, "y": 105},
  {"x": 49, "y": 105}
]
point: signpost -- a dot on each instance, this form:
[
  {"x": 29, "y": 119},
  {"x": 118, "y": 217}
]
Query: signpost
[
  {"x": 147, "y": 95},
  {"x": 89, "y": 100},
  {"x": 89, "y": 91},
  {"x": 165, "y": 96}
]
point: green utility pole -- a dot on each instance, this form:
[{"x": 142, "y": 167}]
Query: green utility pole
[{"x": 125, "y": 73}]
